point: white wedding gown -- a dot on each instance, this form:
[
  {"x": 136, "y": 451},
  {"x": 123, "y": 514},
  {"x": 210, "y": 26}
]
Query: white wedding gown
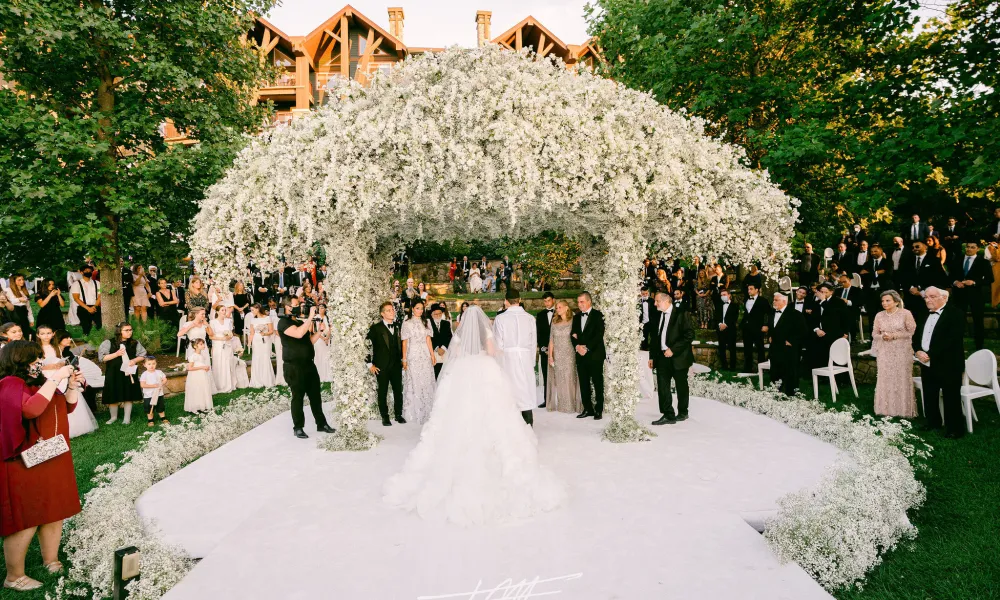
[{"x": 477, "y": 461}]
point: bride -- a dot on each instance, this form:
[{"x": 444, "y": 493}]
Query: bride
[{"x": 477, "y": 461}]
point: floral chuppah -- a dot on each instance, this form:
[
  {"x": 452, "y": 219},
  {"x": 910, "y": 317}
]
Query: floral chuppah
[{"x": 479, "y": 144}]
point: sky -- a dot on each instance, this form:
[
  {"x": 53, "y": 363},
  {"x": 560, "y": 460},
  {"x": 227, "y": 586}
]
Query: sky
[{"x": 440, "y": 23}]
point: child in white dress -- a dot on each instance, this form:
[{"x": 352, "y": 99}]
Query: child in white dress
[
  {"x": 321, "y": 347},
  {"x": 220, "y": 330},
  {"x": 153, "y": 383},
  {"x": 55, "y": 347},
  {"x": 198, "y": 388}
]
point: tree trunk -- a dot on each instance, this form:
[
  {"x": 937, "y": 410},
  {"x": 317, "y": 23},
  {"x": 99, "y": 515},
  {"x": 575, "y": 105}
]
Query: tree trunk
[{"x": 112, "y": 308}]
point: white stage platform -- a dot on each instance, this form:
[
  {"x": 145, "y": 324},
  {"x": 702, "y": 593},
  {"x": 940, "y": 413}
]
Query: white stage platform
[{"x": 274, "y": 517}]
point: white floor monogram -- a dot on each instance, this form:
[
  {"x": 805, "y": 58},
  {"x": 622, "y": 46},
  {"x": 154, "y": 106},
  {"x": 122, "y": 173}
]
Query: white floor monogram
[{"x": 274, "y": 518}]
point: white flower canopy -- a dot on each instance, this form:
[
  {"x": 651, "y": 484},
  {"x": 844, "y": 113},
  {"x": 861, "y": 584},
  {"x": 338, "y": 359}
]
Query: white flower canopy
[{"x": 477, "y": 144}]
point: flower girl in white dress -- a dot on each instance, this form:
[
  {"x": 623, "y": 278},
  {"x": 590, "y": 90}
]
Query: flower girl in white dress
[
  {"x": 220, "y": 330},
  {"x": 198, "y": 387},
  {"x": 321, "y": 354},
  {"x": 261, "y": 330},
  {"x": 54, "y": 346}
]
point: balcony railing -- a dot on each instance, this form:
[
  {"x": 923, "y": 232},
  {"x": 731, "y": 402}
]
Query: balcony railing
[{"x": 283, "y": 81}]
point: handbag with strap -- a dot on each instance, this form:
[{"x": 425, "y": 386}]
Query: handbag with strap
[{"x": 45, "y": 450}]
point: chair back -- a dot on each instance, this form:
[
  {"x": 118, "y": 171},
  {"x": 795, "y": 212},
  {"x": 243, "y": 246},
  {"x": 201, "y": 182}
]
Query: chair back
[
  {"x": 856, "y": 280},
  {"x": 981, "y": 368},
  {"x": 183, "y": 321},
  {"x": 785, "y": 284},
  {"x": 828, "y": 254},
  {"x": 840, "y": 353}
]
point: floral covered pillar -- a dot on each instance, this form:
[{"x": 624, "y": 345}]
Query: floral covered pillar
[
  {"x": 352, "y": 280},
  {"x": 617, "y": 279}
]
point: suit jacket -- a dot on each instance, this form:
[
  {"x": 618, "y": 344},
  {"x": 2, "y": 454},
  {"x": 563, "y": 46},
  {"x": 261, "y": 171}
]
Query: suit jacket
[
  {"x": 653, "y": 316},
  {"x": 922, "y": 232},
  {"x": 833, "y": 318},
  {"x": 853, "y": 296},
  {"x": 387, "y": 348},
  {"x": 931, "y": 273},
  {"x": 809, "y": 272},
  {"x": 731, "y": 318},
  {"x": 952, "y": 240},
  {"x": 543, "y": 329},
  {"x": 980, "y": 272},
  {"x": 440, "y": 336},
  {"x": 871, "y": 275},
  {"x": 680, "y": 334},
  {"x": 682, "y": 304},
  {"x": 946, "y": 350},
  {"x": 845, "y": 260},
  {"x": 591, "y": 336},
  {"x": 757, "y": 317},
  {"x": 992, "y": 234},
  {"x": 790, "y": 329}
]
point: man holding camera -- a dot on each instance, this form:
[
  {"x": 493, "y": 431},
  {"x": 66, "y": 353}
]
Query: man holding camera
[{"x": 298, "y": 334}]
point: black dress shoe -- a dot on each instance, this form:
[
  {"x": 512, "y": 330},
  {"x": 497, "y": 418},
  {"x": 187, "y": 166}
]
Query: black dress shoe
[
  {"x": 681, "y": 418},
  {"x": 542, "y": 405},
  {"x": 326, "y": 429},
  {"x": 386, "y": 422},
  {"x": 400, "y": 420},
  {"x": 300, "y": 434},
  {"x": 598, "y": 417},
  {"x": 584, "y": 414},
  {"x": 664, "y": 420}
]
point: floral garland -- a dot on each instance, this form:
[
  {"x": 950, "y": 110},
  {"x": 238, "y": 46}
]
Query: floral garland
[
  {"x": 109, "y": 520},
  {"x": 838, "y": 529}
]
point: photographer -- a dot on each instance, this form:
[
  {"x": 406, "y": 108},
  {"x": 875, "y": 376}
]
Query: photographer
[
  {"x": 298, "y": 334},
  {"x": 50, "y": 303}
]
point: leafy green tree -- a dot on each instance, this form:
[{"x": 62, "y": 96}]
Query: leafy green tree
[{"x": 84, "y": 167}]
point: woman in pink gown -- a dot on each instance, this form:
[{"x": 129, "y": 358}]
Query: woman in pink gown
[{"x": 891, "y": 338}]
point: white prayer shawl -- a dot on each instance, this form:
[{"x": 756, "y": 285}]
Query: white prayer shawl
[{"x": 515, "y": 337}]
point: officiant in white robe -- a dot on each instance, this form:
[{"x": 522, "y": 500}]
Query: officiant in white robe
[{"x": 514, "y": 335}]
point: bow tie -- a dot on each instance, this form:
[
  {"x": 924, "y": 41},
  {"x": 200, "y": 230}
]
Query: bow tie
[
  {"x": 799, "y": 302},
  {"x": 778, "y": 312},
  {"x": 936, "y": 312}
]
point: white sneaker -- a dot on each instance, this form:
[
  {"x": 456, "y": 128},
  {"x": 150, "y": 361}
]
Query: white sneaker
[
  {"x": 111, "y": 421},
  {"x": 127, "y": 422}
]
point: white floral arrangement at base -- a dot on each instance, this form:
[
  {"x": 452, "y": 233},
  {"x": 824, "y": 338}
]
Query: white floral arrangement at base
[{"x": 839, "y": 529}]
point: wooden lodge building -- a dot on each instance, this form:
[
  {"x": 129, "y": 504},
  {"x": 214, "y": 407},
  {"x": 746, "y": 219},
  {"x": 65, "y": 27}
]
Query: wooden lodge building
[{"x": 349, "y": 44}]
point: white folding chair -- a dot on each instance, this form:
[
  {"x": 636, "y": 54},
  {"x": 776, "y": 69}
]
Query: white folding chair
[
  {"x": 180, "y": 325},
  {"x": 980, "y": 381},
  {"x": 840, "y": 362},
  {"x": 761, "y": 367},
  {"x": 827, "y": 256}
]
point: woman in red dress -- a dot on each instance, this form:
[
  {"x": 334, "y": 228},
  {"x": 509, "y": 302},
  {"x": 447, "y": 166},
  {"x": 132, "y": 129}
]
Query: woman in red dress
[{"x": 35, "y": 499}]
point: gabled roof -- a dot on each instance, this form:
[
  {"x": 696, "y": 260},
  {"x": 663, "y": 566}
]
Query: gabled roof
[
  {"x": 312, "y": 40},
  {"x": 559, "y": 48}
]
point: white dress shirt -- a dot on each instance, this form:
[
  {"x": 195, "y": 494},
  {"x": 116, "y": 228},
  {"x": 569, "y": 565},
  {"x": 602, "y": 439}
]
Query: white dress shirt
[
  {"x": 664, "y": 325},
  {"x": 932, "y": 319}
]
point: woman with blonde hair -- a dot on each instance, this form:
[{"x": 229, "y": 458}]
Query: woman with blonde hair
[
  {"x": 892, "y": 335},
  {"x": 563, "y": 393},
  {"x": 196, "y": 296},
  {"x": 140, "y": 292}
]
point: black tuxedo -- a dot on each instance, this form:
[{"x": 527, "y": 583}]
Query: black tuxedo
[
  {"x": 682, "y": 304},
  {"x": 854, "y": 239},
  {"x": 727, "y": 336},
  {"x": 679, "y": 335},
  {"x": 832, "y": 318},
  {"x": 154, "y": 287},
  {"x": 387, "y": 357},
  {"x": 788, "y": 336},
  {"x": 543, "y": 331},
  {"x": 652, "y": 313},
  {"x": 944, "y": 375},
  {"x": 952, "y": 240},
  {"x": 971, "y": 299},
  {"x": 930, "y": 273},
  {"x": 853, "y": 301},
  {"x": 753, "y": 335},
  {"x": 440, "y": 338},
  {"x": 590, "y": 366},
  {"x": 844, "y": 260},
  {"x": 281, "y": 279},
  {"x": 808, "y": 268}
]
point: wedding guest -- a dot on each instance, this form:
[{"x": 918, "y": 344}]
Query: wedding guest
[
  {"x": 51, "y": 355},
  {"x": 121, "y": 384},
  {"x": 671, "y": 358},
  {"x": 489, "y": 282},
  {"x": 298, "y": 334},
  {"x": 196, "y": 296},
  {"x": 876, "y": 277},
  {"x": 562, "y": 388},
  {"x": 465, "y": 267},
  {"x": 126, "y": 285},
  {"x": 153, "y": 284},
  {"x": 860, "y": 258},
  {"x": 220, "y": 331},
  {"x": 704, "y": 302},
  {"x": 475, "y": 280},
  {"x": 87, "y": 295},
  {"x": 756, "y": 313},
  {"x": 938, "y": 348},
  {"x": 920, "y": 272},
  {"x": 917, "y": 231},
  {"x": 34, "y": 499},
  {"x": 992, "y": 254},
  {"x": 588, "y": 341},
  {"x": 241, "y": 306},
  {"x": 892, "y": 338},
  {"x": 195, "y": 328},
  {"x": 180, "y": 290},
  {"x": 279, "y": 363},
  {"x": 680, "y": 299},
  {"x": 543, "y": 323},
  {"x": 261, "y": 330},
  {"x": 851, "y": 297},
  {"x": 663, "y": 282},
  {"x": 82, "y": 420},
  {"x": 935, "y": 249},
  {"x": 897, "y": 253},
  {"x": 951, "y": 238},
  {"x": 728, "y": 317},
  {"x": 856, "y": 237},
  {"x": 386, "y": 361},
  {"x": 788, "y": 330},
  {"x": 6, "y": 308},
  {"x": 461, "y": 310},
  {"x": 972, "y": 277},
  {"x": 754, "y": 278},
  {"x": 20, "y": 299},
  {"x": 842, "y": 256},
  {"x": 72, "y": 276},
  {"x": 829, "y": 325},
  {"x": 153, "y": 383},
  {"x": 440, "y": 336},
  {"x": 168, "y": 303},
  {"x": 140, "y": 293},
  {"x": 453, "y": 276},
  {"x": 718, "y": 282},
  {"x": 321, "y": 347},
  {"x": 992, "y": 234},
  {"x": 198, "y": 386},
  {"x": 50, "y": 303},
  {"x": 10, "y": 332},
  {"x": 418, "y": 366}
]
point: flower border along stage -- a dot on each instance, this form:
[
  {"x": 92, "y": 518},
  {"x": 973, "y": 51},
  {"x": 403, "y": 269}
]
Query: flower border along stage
[
  {"x": 836, "y": 530},
  {"x": 481, "y": 144}
]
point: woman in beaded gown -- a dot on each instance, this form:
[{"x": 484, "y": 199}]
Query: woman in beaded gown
[
  {"x": 563, "y": 392},
  {"x": 892, "y": 335}
]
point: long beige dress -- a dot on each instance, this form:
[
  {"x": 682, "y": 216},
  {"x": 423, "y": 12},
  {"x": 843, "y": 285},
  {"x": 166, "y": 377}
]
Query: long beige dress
[
  {"x": 564, "y": 386},
  {"x": 894, "y": 387},
  {"x": 993, "y": 256}
]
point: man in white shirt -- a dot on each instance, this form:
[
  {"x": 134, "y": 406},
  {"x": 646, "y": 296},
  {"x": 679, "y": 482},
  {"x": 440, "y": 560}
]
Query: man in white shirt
[
  {"x": 938, "y": 346},
  {"x": 897, "y": 252},
  {"x": 670, "y": 354},
  {"x": 647, "y": 312},
  {"x": 87, "y": 295},
  {"x": 516, "y": 340}
]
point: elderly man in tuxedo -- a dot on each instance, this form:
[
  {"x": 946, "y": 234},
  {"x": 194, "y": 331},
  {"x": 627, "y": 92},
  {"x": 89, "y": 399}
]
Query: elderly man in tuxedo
[
  {"x": 788, "y": 334},
  {"x": 972, "y": 276},
  {"x": 670, "y": 356},
  {"x": 756, "y": 313},
  {"x": 587, "y": 334},
  {"x": 937, "y": 345}
]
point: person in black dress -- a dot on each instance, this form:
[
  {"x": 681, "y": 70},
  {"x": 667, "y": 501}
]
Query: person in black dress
[
  {"x": 121, "y": 387},
  {"x": 168, "y": 302},
  {"x": 298, "y": 334},
  {"x": 241, "y": 304},
  {"x": 50, "y": 303}
]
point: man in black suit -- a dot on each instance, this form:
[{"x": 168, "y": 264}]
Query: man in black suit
[
  {"x": 951, "y": 238},
  {"x": 876, "y": 276},
  {"x": 126, "y": 286},
  {"x": 440, "y": 335},
  {"x": 153, "y": 278},
  {"x": 916, "y": 230},
  {"x": 727, "y": 315},
  {"x": 808, "y": 266},
  {"x": 465, "y": 267},
  {"x": 788, "y": 334},
  {"x": 587, "y": 333},
  {"x": 828, "y": 326},
  {"x": 756, "y": 312},
  {"x": 859, "y": 258},
  {"x": 680, "y": 300},
  {"x": 972, "y": 276},
  {"x": 508, "y": 271},
  {"x": 993, "y": 233},
  {"x": 386, "y": 362},
  {"x": 648, "y": 316},
  {"x": 671, "y": 356},
  {"x": 937, "y": 344},
  {"x": 543, "y": 330},
  {"x": 917, "y": 274},
  {"x": 856, "y": 236},
  {"x": 851, "y": 296},
  {"x": 297, "y": 333},
  {"x": 261, "y": 290},
  {"x": 280, "y": 281},
  {"x": 843, "y": 257}
]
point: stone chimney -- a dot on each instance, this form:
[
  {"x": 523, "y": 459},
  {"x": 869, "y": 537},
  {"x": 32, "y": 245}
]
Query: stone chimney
[
  {"x": 396, "y": 22},
  {"x": 483, "y": 26}
]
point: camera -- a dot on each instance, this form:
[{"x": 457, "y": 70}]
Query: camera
[{"x": 74, "y": 361}]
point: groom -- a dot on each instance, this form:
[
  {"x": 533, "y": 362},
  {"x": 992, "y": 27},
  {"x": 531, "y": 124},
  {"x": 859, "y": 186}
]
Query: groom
[
  {"x": 515, "y": 337},
  {"x": 386, "y": 362}
]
